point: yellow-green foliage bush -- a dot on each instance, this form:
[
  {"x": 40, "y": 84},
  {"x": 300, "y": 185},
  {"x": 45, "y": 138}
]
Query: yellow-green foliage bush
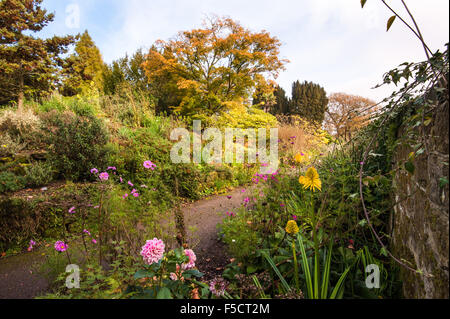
[{"x": 238, "y": 115}]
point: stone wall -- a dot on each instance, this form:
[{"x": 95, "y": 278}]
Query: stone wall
[{"x": 421, "y": 221}]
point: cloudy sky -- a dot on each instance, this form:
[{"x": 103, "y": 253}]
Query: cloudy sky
[{"x": 331, "y": 42}]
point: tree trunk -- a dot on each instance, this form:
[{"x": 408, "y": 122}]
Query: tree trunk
[{"x": 20, "y": 98}]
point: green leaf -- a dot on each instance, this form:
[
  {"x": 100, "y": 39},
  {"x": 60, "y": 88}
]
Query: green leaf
[
  {"x": 390, "y": 21},
  {"x": 363, "y": 2},
  {"x": 142, "y": 273},
  {"x": 251, "y": 269},
  {"x": 409, "y": 166},
  {"x": 442, "y": 182},
  {"x": 164, "y": 293},
  {"x": 275, "y": 269},
  {"x": 384, "y": 252},
  {"x": 192, "y": 272}
]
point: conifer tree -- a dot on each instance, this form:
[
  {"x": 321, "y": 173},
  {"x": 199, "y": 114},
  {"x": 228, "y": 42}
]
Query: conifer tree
[
  {"x": 28, "y": 65},
  {"x": 309, "y": 100},
  {"x": 84, "y": 68}
]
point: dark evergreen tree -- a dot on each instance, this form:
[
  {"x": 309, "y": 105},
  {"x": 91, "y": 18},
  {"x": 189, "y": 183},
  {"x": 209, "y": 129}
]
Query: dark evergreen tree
[
  {"x": 309, "y": 101},
  {"x": 29, "y": 66},
  {"x": 282, "y": 102}
]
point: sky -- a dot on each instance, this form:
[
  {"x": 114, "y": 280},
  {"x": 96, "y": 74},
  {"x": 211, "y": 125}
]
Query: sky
[{"x": 334, "y": 43}]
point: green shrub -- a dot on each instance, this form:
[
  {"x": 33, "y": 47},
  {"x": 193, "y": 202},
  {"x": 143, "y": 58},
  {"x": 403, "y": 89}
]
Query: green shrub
[
  {"x": 38, "y": 174},
  {"x": 9, "y": 182},
  {"x": 76, "y": 144}
]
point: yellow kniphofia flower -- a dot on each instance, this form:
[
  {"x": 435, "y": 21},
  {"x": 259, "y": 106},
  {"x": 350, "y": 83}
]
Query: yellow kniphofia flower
[
  {"x": 291, "y": 227},
  {"x": 311, "y": 180}
]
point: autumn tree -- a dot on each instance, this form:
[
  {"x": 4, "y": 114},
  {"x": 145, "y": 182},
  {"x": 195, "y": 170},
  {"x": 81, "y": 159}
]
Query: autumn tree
[
  {"x": 28, "y": 65},
  {"x": 309, "y": 101},
  {"x": 347, "y": 113},
  {"x": 83, "y": 69},
  {"x": 201, "y": 69}
]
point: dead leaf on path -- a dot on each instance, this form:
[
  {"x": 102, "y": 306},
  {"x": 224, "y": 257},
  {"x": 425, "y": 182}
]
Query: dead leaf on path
[{"x": 3, "y": 254}]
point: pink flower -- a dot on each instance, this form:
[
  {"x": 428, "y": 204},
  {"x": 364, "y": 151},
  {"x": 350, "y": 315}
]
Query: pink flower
[
  {"x": 130, "y": 183},
  {"x": 121, "y": 179},
  {"x": 104, "y": 176},
  {"x": 150, "y": 165},
  {"x": 153, "y": 251},
  {"x": 192, "y": 258},
  {"x": 294, "y": 217},
  {"x": 125, "y": 196},
  {"x": 229, "y": 196},
  {"x": 246, "y": 200},
  {"x": 218, "y": 286},
  {"x": 173, "y": 276},
  {"x": 230, "y": 214},
  {"x": 32, "y": 243},
  {"x": 136, "y": 194},
  {"x": 87, "y": 232},
  {"x": 94, "y": 241},
  {"x": 111, "y": 168},
  {"x": 94, "y": 171},
  {"x": 243, "y": 190},
  {"x": 72, "y": 210},
  {"x": 60, "y": 246},
  {"x": 282, "y": 205}
]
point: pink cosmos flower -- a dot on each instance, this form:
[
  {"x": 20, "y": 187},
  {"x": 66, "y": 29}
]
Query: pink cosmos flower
[
  {"x": 125, "y": 196},
  {"x": 60, "y": 246},
  {"x": 121, "y": 179},
  {"x": 246, "y": 200},
  {"x": 72, "y": 210},
  {"x": 294, "y": 217},
  {"x": 87, "y": 232},
  {"x": 104, "y": 176},
  {"x": 192, "y": 258},
  {"x": 150, "y": 165},
  {"x": 136, "y": 194},
  {"x": 94, "y": 241},
  {"x": 32, "y": 243},
  {"x": 113, "y": 168},
  {"x": 130, "y": 183},
  {"x": 229, "y": 196},
  {"x": 153, "y": 251},
  {"x": 94, "y": 171},
  {"x": 282, "y": 205}
]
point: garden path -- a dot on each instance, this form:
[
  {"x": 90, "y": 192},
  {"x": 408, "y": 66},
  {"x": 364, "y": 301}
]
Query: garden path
[{"x": 20, "y": 280}]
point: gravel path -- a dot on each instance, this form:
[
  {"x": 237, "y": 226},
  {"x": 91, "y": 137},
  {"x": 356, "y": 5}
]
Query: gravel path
[{"x": 201, "y": 219}]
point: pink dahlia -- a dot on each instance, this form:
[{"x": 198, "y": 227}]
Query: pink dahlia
[
  {"x": 192, "y": 258},
  {"x": 153, "y": 251}
]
